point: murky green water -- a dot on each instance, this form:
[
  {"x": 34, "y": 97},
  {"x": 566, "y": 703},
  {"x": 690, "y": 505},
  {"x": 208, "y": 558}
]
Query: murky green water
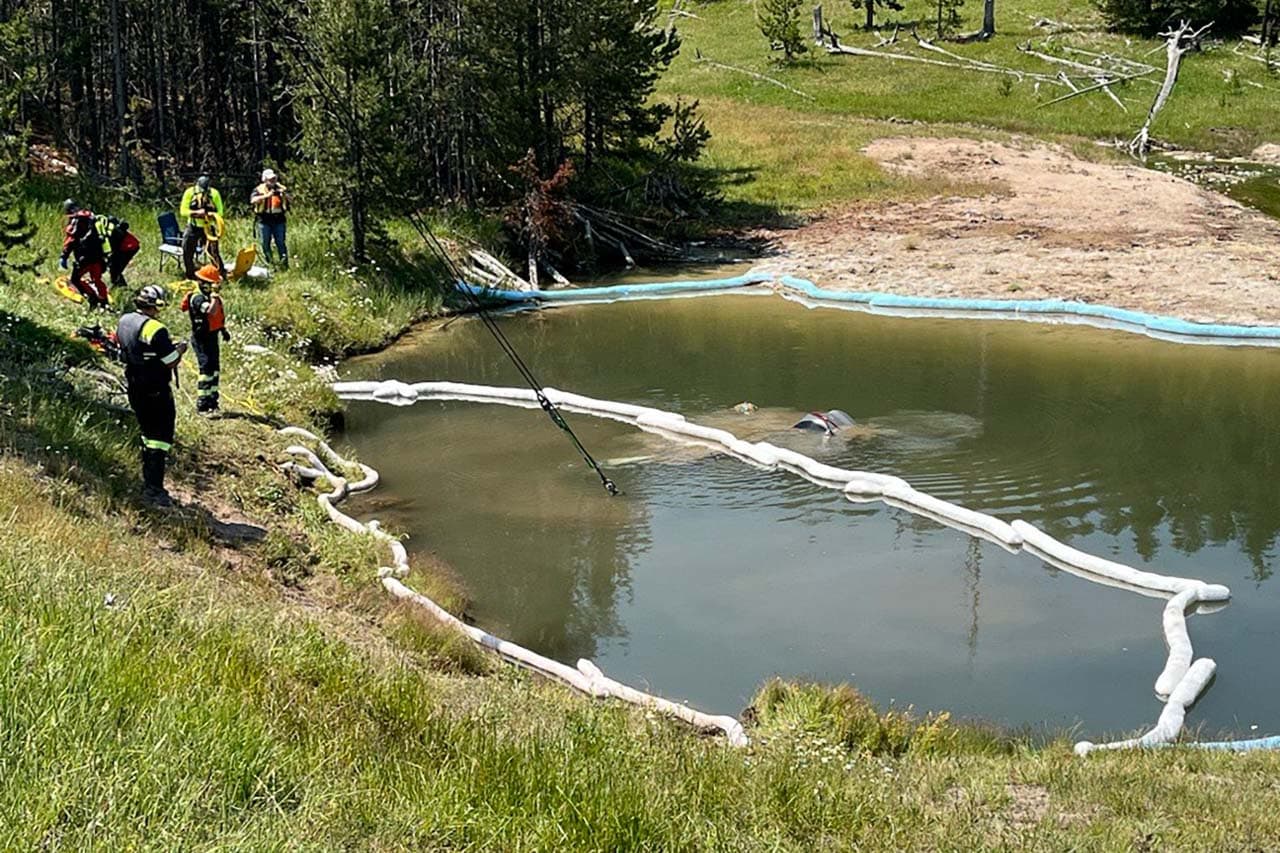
[
  {"x": 708, "y": 576},
  {"x": 1255, "y": 185}
]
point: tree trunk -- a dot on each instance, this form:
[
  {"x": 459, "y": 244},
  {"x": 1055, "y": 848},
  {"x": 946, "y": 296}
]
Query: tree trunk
[
  {"x": 118, "y": 91},
  {"x": 939, "y": 20},
  {"x": 870, "y": 6},
  {"x": 357, "y": 161},
  {"x": 988, "y": 18},
  {"x": 259, "y": 134}
]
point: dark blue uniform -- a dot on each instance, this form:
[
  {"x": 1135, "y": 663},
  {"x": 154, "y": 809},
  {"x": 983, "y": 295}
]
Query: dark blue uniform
[{"x": 150, "y": 356}]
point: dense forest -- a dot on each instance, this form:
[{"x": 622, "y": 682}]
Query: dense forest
[{"x": 376, "y": 105}]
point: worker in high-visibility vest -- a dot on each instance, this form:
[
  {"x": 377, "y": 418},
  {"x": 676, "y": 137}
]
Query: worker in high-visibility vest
[
  {"x": 270, "y": 200},
  {"x": 208, "y": 324},
  {"x": 121, "y": 245},
  {"x": 151, "y": 360},
  {"x": 202, "y": 208}
]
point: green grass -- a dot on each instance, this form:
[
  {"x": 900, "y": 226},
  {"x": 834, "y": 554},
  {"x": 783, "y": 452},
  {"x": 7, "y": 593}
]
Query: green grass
[
  {"x": 160, "y": 689},
  {"x": 793, "y": 154},
  {"x": 777, "y": 163}
]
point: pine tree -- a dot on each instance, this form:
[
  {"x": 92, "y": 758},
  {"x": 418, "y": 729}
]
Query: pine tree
[
  {"x": 948, "y": 20},
  {"x": 779, "y": 21},
  {"x": 350, "y": 64},
  {"x": 17, "y": 256},
  {"x": 870, "y": 6}
]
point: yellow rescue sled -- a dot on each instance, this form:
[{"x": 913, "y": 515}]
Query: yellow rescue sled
[{"x": 62, "y": 284}]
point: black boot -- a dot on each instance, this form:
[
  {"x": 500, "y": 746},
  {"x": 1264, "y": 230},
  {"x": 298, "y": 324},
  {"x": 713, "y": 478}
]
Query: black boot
[{"x": 153, "y": 493}]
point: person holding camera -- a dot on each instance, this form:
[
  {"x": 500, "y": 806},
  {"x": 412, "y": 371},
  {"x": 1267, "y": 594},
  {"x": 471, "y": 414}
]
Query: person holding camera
[{"x": 270, "y": 200}]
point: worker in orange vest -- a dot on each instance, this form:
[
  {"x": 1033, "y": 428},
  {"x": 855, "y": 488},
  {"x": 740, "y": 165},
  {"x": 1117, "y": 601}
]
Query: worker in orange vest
[
  {"x": 208, "y": 324},
  {"x": 270, "y": 200}
]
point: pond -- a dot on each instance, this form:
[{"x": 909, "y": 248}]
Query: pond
[{"x": 707, "y": 576}]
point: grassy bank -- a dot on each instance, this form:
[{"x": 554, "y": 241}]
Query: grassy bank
[{"x": 800, "y": 153}]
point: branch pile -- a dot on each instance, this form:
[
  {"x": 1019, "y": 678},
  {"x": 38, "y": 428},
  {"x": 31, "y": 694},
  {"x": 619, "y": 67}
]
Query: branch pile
[{"x": 601, "y": 226}]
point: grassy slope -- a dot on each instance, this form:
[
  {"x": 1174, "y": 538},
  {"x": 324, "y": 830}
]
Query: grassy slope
[
  {"x": 266, "y": 695},
  {"x": 796, "y": 154}
]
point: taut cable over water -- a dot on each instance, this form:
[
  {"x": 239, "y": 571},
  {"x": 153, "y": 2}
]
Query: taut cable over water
[{"x": 525, "y": 372}]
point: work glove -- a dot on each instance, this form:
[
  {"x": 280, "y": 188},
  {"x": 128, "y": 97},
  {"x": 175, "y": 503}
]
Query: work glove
[
  {"x": 62, "y": 262},
  {"x": 226, "y": 336}
]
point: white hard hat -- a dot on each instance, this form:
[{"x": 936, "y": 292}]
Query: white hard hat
[{"x": 268, "y": 174}]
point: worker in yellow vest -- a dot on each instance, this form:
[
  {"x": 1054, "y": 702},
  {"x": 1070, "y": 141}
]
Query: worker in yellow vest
[
  {"x": 202, "y": 208},
  {"x": 270, "y": 200},
  {"x": 151, "y": 362}
]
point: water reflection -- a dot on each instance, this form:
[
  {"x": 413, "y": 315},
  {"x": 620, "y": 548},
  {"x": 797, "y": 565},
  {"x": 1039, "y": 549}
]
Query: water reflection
[
  {"x": 466, "y": 475},
  {"x": 707, "y": 575}
]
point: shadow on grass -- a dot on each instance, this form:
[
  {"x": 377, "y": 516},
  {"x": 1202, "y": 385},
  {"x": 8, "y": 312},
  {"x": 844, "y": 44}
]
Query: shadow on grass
[
  {"x": 57, "y": 414},
  {"x": 52, "y": 409},
  {"x": 738, "y": 213}
]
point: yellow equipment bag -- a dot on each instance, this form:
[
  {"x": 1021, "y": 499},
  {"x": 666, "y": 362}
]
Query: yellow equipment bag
[
  {"x": 244, "y": 260},
  {"x": 62, "y": 284}
]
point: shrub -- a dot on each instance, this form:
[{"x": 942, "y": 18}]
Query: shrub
[
  {"x": 779, "y": 21},
  {"x": 1151, "y": 17}
]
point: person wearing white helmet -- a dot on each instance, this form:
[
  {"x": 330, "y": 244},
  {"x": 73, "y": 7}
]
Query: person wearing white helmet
[
  {"x": 270, "y": 200},
  {"x": 151, "y": 360}
]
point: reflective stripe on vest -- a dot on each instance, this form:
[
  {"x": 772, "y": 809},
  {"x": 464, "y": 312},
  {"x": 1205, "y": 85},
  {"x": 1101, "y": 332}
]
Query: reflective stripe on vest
[{"x": 148, "y": 332}]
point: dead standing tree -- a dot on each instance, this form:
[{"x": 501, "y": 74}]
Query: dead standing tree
[
  {"x": 543, "y": 216},
  {"x": 1177, "y": 43}
]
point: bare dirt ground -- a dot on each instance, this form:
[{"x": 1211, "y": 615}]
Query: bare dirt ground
[{"x": 1054, "y": 226}]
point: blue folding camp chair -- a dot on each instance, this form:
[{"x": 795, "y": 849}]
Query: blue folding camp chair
[{"x": 171, "y": 238}]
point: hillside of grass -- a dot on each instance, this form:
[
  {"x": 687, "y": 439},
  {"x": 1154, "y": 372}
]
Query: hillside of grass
[{"x": 795, "y": 152}]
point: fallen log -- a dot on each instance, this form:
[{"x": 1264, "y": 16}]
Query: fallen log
[
  {"x": 959, "y": 62},
  {"x": 554, "y": 273},
  {"x": 487, "y": 261},
  {"x": 702, "y": 60},
  {"x": 893, "y": 39},
  {"x": 609, "y": 227},
  {"x": 1178, "y": 42},
  {"x": 1110, "y": 57},
  {"x": 1095, "y": 87},
  {"x": 1272, "y": 64}
]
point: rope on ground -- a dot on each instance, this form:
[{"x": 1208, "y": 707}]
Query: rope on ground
[{"x": 1180, "y": 682}]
